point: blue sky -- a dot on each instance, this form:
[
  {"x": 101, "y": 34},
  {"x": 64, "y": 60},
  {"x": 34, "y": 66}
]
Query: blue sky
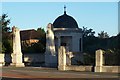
[{"x": 100, "y": 16}]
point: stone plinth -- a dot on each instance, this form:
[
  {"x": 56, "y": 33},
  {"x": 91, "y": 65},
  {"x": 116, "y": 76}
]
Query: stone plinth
[
  {"x": 17, "y": 54},
  {"x": 50, "y": 61},
  {"x": 17, "y": 60}
]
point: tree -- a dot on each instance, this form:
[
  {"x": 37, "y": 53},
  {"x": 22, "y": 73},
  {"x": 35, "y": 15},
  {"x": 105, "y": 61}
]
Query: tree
[
  {"x": 87, "y": 32},
  {"x": 88, "y": 37},
  {"x": 118, "y": 41},
  {"x": 5, "y": 23},
  {"x": 103, "y": 34},
  {"x": 103, "y": 41},
  {"x": 88, "y": 40},
  {"x": 6, "y": 34},
  {"x": 41, "y": 32},
  {"x": 41, "y": 45}
]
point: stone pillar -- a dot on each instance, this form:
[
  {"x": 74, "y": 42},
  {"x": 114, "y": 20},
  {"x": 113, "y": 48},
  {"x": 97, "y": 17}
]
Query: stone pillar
[
  {"x": 17, "y": 54},
  {"x": 81, "y": 46},
  {"x": 59, "y": 41},
  {"x": 99, "y": 61},
  {"x": 75, "y": 44},
  {"x": 61, "y": 58}
]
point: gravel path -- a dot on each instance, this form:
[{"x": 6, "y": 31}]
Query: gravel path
[{"x": 37, "y": 73}]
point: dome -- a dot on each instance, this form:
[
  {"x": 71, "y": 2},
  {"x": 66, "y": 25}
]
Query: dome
[{"x": 65, "y": 21}]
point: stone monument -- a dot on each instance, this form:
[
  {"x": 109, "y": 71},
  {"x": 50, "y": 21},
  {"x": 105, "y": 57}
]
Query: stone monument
[
  {"x": 50, "y": 45},
  {"x": 17, "y": 54},
  {"x": 50, "y": 54}
]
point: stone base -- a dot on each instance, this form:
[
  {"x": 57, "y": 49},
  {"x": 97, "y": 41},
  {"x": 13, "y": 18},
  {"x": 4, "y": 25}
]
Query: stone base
[
  {"x": 17, "y": 64},
  {"x": 1, "y": 64},
  {"x": 62, "y": 68},
  {"x": 98, "y": 69},
  {"x": 51, "y": 61}
]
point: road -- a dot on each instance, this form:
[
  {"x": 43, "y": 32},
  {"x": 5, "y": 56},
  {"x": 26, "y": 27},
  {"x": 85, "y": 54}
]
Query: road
[{"x": 38, "y": 73}]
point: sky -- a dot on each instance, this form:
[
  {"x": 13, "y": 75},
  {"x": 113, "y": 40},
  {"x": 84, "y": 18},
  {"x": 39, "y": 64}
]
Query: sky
[{"x": 100, "y": 16}]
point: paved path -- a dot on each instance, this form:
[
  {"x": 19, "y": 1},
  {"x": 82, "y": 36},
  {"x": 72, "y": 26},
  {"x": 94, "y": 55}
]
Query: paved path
[{"x": 37, "y": 73}]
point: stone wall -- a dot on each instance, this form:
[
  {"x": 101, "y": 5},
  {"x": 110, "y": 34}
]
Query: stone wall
[
  {"x": 79, "y": 68},
  {"x": 34, "y": 57},
  {"x": 115, "y": 69},
  {"x": 100, "y": 67},
  {"x": 27, "y": 58},
  {"x": 62, "y": 63}
]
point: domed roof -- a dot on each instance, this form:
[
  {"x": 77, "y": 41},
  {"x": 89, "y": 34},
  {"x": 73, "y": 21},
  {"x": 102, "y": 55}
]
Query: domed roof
[{"x": 65, "y": 21}]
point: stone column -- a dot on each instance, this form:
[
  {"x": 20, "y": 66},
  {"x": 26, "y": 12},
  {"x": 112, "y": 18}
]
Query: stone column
[
  {"x": 81, "y": 44},
  {"x": 17, "y": 54},
  {"x": 99, "y": 61},
  {"x": 61, "y": 58},
  {"x": 59, "y": 41},
  {"x": 75, "y": 44}
]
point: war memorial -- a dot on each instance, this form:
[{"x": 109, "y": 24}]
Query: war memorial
[{"x": 64, "y": 45}]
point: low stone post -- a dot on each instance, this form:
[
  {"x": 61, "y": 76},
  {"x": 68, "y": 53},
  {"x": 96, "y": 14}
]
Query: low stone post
[
  {"x": 99, "y": 61},
  {"x": 2, "y": 60},
  {"x": 61, "y": 58},
  {"x": 17, "y": 54}
]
